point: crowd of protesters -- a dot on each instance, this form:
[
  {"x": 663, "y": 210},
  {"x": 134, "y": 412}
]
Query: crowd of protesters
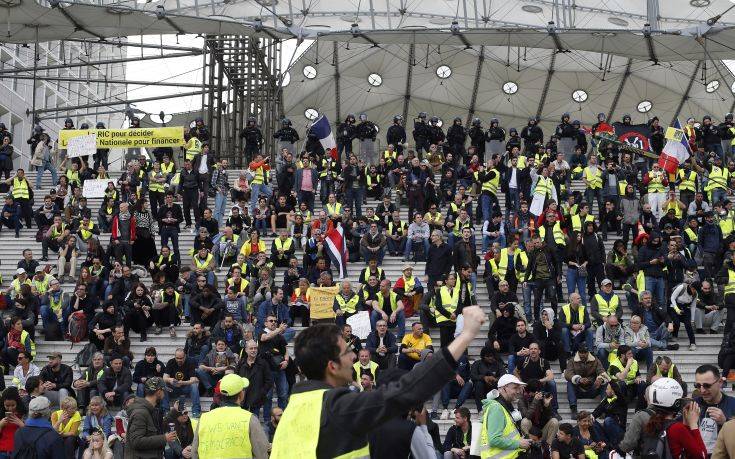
[{"x": 555, "y": 293}]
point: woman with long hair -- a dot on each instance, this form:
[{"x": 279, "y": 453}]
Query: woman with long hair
[
  {"x": 137, "y": 306},
  {"x": 144, "y": 246},
  {"x": 576, "y": 259},
  {"x": 97, "y": 448},
  {"x": 12, "y": 412},
  {"x": 98, "y": 419}
]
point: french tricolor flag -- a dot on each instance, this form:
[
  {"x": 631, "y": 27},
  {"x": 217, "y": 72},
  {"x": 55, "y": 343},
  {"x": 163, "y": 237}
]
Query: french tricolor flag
[
  {"x": 676, "y": 150},
  {"x": 337, "y": 249},
  {"x": 323, "y": 131}
]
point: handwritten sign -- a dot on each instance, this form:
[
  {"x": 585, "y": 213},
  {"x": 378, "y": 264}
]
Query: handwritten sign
[
  {"x": 83, "y": 145},
  {"x": 322, "y": 302},
  {"x": 360, "y": 324},
  {"x": 94, "y": 188}
]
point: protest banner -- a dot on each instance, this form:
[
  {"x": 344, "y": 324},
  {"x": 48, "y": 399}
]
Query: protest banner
[
  {"x": 84, "y": 145},
  {"x": 360, "y": 324},
  {"x": 94, "y": 188},
  {"x": 321, "y": 302},
  {"x": 128, "y": 138}
]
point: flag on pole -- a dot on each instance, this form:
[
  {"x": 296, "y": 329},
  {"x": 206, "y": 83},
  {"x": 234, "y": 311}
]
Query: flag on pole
[
  {"x": 337, "y": 249},
  {"x": 676, "y": 150},
  {"x": 323, "y": 131}
]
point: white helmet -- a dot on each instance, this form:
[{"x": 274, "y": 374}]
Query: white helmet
[{"x": 665, "y": 393}]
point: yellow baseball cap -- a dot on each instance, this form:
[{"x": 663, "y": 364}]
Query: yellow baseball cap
[{"x": 233, "y": 384}]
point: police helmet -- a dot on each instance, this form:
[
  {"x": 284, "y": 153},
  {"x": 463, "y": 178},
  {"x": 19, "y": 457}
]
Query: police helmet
[
  {"x": 363, "y": 117},
  {"x": 423, "y": 115},
  {"x": 100, "y": 125},
  {"x": 397, "y": 119},
  {"x": 84, "y": 126},
  {"x": 728, "y": 117},
  {"x": 456, "y": 119},
  {"x": 494, "y": 121},
  {"x": 476, "y": 122},
  {"x": 286, "y": 122}
]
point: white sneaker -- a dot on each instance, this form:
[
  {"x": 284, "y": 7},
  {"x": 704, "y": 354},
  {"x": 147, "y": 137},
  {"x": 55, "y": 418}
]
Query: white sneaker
[
  {"x": 445, "y": 415},
  {"x": 692, "y": 347}
]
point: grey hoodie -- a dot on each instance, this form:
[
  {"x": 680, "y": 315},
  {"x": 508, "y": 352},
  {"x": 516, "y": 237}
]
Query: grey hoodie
[{"x": 630, "y": 209}]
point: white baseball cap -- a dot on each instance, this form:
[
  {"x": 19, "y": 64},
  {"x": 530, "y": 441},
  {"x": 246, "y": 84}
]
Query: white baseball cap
[{"x": 509, "y": 379}]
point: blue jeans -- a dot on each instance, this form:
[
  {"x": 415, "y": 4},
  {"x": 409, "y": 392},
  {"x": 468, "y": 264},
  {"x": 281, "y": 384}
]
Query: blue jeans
[
  {"x": 514, "y": 199},
  {"x": 512, "y": 363},
  {"x": 400, "y": 322},
  {"x": 353, "y": 198},
  {"x": 255, "y": 192},
  {"x": 527, "y": 300},
  {"x": 261, "y": 225},
  {"x": 585, "y": 337},
  {"x": 551, "y": 388},
  {"x": 208, "y": 379},
  {"x": 48, "y": 315},
  {"x": 660, "y": 337},
  {"x": 657, "y": 287},
  {"x": 591, "y": 194},
  {"x": 171, "y": 234},
  {"x": 191, "y": 391},
  {"x": 646, "y": 354},
  {"x": 198, "y": 358},
  {"x": 488, "y": 241},
  {"x": 486, "y": 205},
  {"x": 412, "y": 245},
  {"x": 718, "y": 194},
  {"x": 367, "y": 255},
  {"x": 220, "y": 200},
  {"x": 574, "y": 393},
  {"x": 453, "y": 389},
  {"x": 396, "y": 246},
  {"x": 580, "y": 282},
  {"x": 279, "y": 377},
  {"x": 613, "y": 430},
  {"x": 46, "y": 166}
]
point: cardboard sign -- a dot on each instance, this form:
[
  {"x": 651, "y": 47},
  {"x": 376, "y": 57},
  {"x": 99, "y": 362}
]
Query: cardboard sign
[
  {"x": 360, "y": 324},
  {"x": 674, "y": 134},
  {"x": 84, "y": 145},
  {"x": 321, "y": 302},
  {"x": 95, "y": 188},
  {"x": 128, "y": 138}
]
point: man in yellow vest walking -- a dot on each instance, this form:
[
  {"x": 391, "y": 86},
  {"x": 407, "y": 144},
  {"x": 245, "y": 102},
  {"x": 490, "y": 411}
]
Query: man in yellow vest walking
[
  {"x": 230, "y": 432},
  {"x": 324, "y": 419},
  {"x": 501, "y": 436}
]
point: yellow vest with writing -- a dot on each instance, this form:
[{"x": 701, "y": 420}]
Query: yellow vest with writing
[
  {"x": 297, "y": 435},
  {"x": 510, "y": 432},
  {"x": 224, "y": 434}
]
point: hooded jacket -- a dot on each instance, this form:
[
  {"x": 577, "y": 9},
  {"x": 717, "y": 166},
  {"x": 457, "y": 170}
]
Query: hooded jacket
[
  {"x": 591, "y": 368},
  {"x": 646, "y": 254},
  {"x": 144, "y": 438}
]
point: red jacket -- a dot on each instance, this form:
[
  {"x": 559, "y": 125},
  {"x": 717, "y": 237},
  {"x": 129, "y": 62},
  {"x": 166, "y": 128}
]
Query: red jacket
[{"x": 116, "y": 229}]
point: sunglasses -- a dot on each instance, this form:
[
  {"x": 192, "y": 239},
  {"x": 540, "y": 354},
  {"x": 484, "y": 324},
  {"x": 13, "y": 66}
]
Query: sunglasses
[
  {"x": 706, "y": 386},
  {"x": 270, "y": 320}
]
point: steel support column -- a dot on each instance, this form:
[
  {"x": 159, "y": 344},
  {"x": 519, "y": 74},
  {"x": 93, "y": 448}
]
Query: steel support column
[
  {"x": 337, "y": 92},
  {"x": 685, "y": 96},
  {"x": 619, "y": 92},
  {"x": 476, "y": 85},
  {"x": 409, "y": 77},
  {"x": 547, "y": 83}
]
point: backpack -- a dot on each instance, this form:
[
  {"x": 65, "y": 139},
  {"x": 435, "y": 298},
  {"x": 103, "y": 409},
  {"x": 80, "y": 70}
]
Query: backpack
[
  {"x": 656, "y": 446},
  {"x": 84, "y": 356},
  {"x": 77, "y": 327},
  {"x": 41, "y": 233},
  {"x": 29, "y": 451}
]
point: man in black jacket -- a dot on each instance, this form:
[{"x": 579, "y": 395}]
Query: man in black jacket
[
  {"x": 169, "y": 218},
  {"x": 347, "y": 417},
  {"x": 383, "y": 345},
  {"x": 56, "y": 379},
  {"x": 439, "y": 259},
  {"x": 189, "y": 185},
  {"x": 116, "y": 382},
  {"x": 541, "y": 270},
  {"x": 457, "y": 440},
  {"x": 258, "y": 372}
]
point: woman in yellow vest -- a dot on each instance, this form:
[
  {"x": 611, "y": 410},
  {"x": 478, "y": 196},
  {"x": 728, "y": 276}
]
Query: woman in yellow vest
[
  {"x": 229, "y": 431},
  {"x": 67, "y": 422}
]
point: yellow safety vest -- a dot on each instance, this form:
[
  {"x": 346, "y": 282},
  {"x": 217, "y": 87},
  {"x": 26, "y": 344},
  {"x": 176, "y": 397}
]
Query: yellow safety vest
[
  {"x": 717, "y": 179},
  {"x": 373, "y": 370},
  {"x": 176, "y": 178},
  {"x": 567, "y": 310},
  {"x": 605, "y": 308},
  {"x": 369, "y": 179},
  {"x": 224, "y": 433},
  {"x": 73, "y": 176},
  {"x": 20, "y": 189},
  {"x": 726, "y": 226},
  {"x": 450, "y": 299},
  {"x": 459, "y": 226},
  {"x": 390, "y": 157},
  {"x": 520, "y": 271},
  {"x": 41, "y": 286},
  {"x": 521, "y": 164},
  {"x": 510, "y": 431},
  {"x": 393, "y": 300},
  {"x": 23, "y": 336},
  {"x": 675, "y": 206},
  {"x": 167, "y": 168},
  {"x": 283, "y": 245},
  {"x": 687, "y": 182},
  {"x": 16, "y": 285},
  {"x": 492, "y": 185},
  {"x": 408, "y": 283},
  {"x": 594, "y": 177},
  {"x": 544, "y": 185},
  {"x": 66, "y": 428},
  {"x": 177, "y": 299},
  {"x": 348, "y": 306},
  {"x": 154, "y": 186},
  {"x": 693, "y": 237},
  {"x": 400, "y": 230},
  {"x": 243, "y": 284},
  {"x": 261, "y": 176},
  {"x": 730, "y": 287},
  {"x": 366, "y": 275},
  {"x": 616, "y": 362},
  {"x": 669, "y": 374},
  {"x": 298, "y": 432},
  {"x": 56, "y": 306},
  {"x": 86, "y": 232},
  {"x": 334, "y": 209},
  {"x": 193, "y": 148},
  {"x": 202, "y": 264},
  {"x": 577, "y": 222},
  {"x": 559, "y": 237}
]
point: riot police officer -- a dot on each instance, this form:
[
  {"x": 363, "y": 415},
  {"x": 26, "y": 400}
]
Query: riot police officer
[
  {"x": 456, "y": 137},
  {"x": 567, "y": 135},
  {"x": 346, "y": 133},
  {"x": 437, "y": 134},
  {"x": 396, "y": 134},
  {"x": 367, "y": 133},
  {"x": 421, "y": 135},
  {"x": 477, "y": 139},
  {"x": 253, "y": 139},
  {"x": 287, "y": 136},
  {"x": 200, "y": 129},
  {"x": 532, "y": 135},
  {"x": 495, "y": 138}
]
